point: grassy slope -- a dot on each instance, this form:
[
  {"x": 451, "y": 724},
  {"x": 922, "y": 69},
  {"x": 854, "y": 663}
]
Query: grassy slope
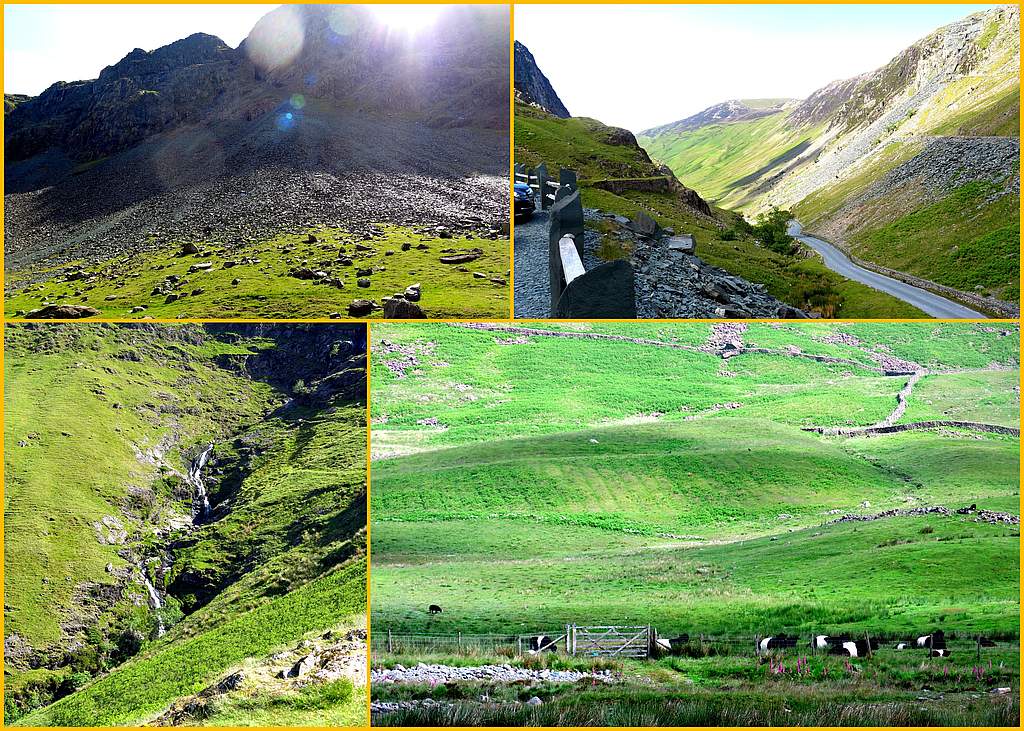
[
  {"x": 48, "y": 532},
  {"x": 538, "y": 525},
  {"x": 266, "y": 291},
  {"x": 580, "y": 144},
  {"x": 177, "y": 667},
  {"x": 964, "y": 241},
  {"x": 295, "y": 519},
  {"x": 714, "y": 159}
]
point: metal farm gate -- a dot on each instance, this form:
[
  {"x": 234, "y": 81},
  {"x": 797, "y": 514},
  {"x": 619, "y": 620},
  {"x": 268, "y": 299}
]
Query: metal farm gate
[{"x": 608, "y": 641}]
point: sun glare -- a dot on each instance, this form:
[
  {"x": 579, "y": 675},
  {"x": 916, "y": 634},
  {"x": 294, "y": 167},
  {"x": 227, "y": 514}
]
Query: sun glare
[{"x": 407, "y": 18}]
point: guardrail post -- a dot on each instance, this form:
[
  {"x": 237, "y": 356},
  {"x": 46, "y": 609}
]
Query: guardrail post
[
  {"x": 391, "y": 645},
  {"x": 567, "y": 177},
  {"x": 541, "y": 171},
  {"x": 566, "y": 217}
]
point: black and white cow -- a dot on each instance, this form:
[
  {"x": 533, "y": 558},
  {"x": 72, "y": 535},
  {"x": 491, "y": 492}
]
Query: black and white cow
[
  {"x": 902, "y": 645},
  {"x": 940, "y": 653},
  {"x": 854, "y": 648},
  {"x": 543, "y": 643},
  {"x": 777, "y": 642},
  {"x": 935, "y": 641},
  {"x": 434, "y": 609},
  {"x": 825, "y": 642},
  {"x": 671, "y": 645}
]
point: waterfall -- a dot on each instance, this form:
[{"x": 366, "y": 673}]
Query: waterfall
[
  {"x": 195, "y": 478},
  {"x": 155, "y": 602}
]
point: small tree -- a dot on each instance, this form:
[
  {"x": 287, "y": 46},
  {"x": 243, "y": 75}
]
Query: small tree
[{"x": 771, "y": 230}]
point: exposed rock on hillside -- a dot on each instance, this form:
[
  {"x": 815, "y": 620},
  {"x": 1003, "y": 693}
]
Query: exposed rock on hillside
[
  {"x": 943, "y": 164},
  {"x": 532, "y": 86},
  {"x": 733, "y": 110}
]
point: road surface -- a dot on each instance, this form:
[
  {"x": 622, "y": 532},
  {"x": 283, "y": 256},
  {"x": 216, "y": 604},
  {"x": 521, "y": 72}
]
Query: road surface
[
  {"x": 532, "y": 292},
  {"x": 922, "y": 299}
]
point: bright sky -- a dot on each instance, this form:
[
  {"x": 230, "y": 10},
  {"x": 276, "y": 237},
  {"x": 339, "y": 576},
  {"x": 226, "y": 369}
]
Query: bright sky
[
  {"x": 638, "y": 66},
  {"x": 48, "y": 43}
]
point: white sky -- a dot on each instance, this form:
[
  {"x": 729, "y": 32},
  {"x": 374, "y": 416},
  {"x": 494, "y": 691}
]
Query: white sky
[
  {"x": 638, "y": 66},
  {"x": 48, "y": 43}
]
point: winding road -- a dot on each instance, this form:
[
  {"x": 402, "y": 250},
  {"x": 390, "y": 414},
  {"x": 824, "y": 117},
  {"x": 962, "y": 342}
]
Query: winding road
[{"x": 922, "y": 299}]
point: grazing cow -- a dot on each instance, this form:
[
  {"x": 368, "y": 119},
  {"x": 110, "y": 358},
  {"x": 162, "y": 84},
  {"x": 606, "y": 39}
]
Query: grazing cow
[
  {"x": 543, "y": 642},
  {"x": 777, "y": 642},
  {"x": 902, "y": 645},
  {"x": 825, "y": 642},
  {"x": 940, "y": 653},
  {"x": 935, "y": 641},
  {"x": 986, "y": 642},
  {"x": 854, "y": 648},
  {"x": 671, "y": 645},
  {"x": 434, "y": 609}
]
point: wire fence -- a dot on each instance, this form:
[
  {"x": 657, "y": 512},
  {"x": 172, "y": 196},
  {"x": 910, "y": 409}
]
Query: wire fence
[{"x": 387, "y": 642}]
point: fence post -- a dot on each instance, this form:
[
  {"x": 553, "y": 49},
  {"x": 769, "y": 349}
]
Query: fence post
[
  {"x": 978, "y": 648},
  {"x": 519, "y": 646},
  {"x": 867, "y": 636},
  {"x": 757, "y": 645},
  {"x": 391, "y": 646},
  {"x": 567, "y": 177},
  {"x": 460, "y": 640}
]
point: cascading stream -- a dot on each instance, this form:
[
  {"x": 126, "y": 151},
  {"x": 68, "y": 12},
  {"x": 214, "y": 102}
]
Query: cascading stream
[
  {"x": 195, "y": 478},
  {"x": 155, "y": 601}
]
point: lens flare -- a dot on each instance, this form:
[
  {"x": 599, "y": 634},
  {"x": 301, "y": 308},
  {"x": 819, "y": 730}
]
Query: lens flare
[
  {"x": 277, "y": 38},
  {"x": 408, "y": 19}
]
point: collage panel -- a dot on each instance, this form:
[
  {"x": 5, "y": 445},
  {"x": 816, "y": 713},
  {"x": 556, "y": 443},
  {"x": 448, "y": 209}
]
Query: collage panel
[
  {"x": 256, "y": 162},
  {"x": 839, "y": 161},
  {"x": 185, "y": 524},
  {"x": 695, "y": 524}
]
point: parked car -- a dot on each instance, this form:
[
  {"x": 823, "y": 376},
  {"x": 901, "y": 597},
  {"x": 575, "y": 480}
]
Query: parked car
[{"x": 524, "y": 205}]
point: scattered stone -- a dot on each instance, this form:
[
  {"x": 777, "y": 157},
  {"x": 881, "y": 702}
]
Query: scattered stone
[
  {"x": 363, "y": 282},
  {"x": 361, "y": 308},
  {"x": 200, "y": 267},
  {"x": 399, "y": 308},
  {"x": 462, "y": 258}
]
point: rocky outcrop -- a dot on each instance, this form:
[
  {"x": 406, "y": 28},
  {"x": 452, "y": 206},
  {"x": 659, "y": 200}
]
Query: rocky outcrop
[{"x": 532, "y": 86}]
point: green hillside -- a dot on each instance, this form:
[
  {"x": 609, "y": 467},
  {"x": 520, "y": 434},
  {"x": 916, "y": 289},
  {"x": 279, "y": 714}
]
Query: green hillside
[
  {"x": 102, "y": 423},
  {"x": 584, "y": 145},
  {"x": 527, "y": 478},
  {"x": 720, "y": 161}
]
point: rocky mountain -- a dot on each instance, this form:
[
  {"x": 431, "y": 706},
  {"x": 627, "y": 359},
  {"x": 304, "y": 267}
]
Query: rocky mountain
[
  {"x": 532, "y": 86},
  {"x": 324, "y": 116},
  {"x": 222, "y": 518},
  {"x": 734, "y": 110},
  {"x": 449, "y": 77},
  {"x": 866, "y": 161}
]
